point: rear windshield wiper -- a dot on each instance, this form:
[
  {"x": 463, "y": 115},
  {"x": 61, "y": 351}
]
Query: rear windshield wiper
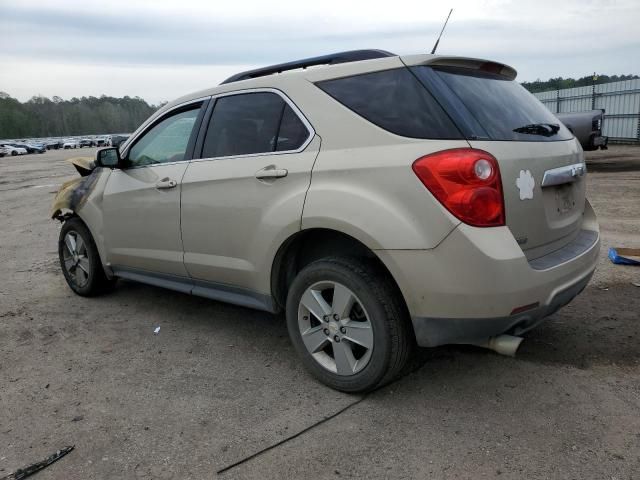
[{"x": 544, "y": 129}]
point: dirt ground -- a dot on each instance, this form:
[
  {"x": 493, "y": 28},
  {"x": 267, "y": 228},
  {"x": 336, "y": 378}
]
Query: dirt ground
[{"x": 219, "y": 382}]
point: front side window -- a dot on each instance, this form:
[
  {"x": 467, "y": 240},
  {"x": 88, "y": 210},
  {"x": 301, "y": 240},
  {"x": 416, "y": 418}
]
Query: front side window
[
  {"x": 252, "y": 123},
  {"x": 166, "y": 141}
]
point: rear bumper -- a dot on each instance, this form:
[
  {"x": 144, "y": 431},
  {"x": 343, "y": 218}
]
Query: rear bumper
[
  {"x": 600, "y": 142},
  {"x": 465, "y": 290},
  {"x": 431, "y": 332}
]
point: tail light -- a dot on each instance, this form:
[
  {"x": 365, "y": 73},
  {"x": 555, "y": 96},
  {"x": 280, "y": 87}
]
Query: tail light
[{"x": 467, "y": 182}]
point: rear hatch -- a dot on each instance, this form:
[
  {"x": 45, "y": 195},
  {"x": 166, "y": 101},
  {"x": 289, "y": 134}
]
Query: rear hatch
[{"x": 541, "y": 164}]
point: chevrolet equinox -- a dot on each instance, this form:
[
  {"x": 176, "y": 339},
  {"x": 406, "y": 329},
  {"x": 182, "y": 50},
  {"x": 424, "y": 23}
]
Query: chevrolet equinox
[{"x": 381, "y": 201}]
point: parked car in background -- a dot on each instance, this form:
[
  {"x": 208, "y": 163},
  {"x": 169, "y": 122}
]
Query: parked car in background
[
  {"x": 586, "y": 127},
  {"x": 100, "y": 141},
  {"x": 86, "y": 142},
  {"x": 39, "y": 147},
  {"x": 70, "y": 143},
  {"x": 380, "y": 203},
  {"x": 13, "y": 150},
  {"x": 53, "y": 144},
  {"x": 31, "y": 147},
  {"x": 117, "y": 140}
]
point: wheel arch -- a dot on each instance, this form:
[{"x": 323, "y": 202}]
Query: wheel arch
[
  {"x": 312, "y": 244},
  {"x": 72, "y": 214}
]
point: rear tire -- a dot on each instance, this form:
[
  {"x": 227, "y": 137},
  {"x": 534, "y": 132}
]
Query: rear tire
[
  {"x": 369, "y": 340},
  {"x": 80, "y": 261}
]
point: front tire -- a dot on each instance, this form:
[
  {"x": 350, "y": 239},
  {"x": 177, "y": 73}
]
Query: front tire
[
  {"x": 348, "y": 324},
  {"x": 80, "y": 261}
]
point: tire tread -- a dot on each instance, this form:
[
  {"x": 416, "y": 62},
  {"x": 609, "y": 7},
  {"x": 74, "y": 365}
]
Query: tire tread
[
  {"x": 99, "y": 283},
  {"x": 396, "y": 319}
]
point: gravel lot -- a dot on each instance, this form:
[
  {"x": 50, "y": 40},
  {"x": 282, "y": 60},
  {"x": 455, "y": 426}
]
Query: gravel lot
[{"x": 220, "y": 383}]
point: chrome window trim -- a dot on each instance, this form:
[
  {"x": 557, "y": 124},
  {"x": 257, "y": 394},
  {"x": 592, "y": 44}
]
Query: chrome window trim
[
  {"x": 150, "y": 165},
  {"x": 281, "y": 94},
  {"x": 132, "y": 140}
]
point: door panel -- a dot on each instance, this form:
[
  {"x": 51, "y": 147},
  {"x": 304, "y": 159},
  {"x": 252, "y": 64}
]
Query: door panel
[
  {"x": 142, "y": 218},
  {"x": 233, "y": 222},
  {"x": 141, "y": 202}
]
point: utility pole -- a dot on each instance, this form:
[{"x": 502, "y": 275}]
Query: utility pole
[
  {"x": 594, "y": 79},
  {"x": 558, "y": 99}
]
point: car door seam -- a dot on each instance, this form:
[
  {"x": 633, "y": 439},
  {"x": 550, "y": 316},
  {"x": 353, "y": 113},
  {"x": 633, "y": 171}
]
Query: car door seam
[{"x": 313, "y": 165}]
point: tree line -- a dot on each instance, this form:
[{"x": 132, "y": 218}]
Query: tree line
[
  {"x": 560, "y": 83},
  {"x": 55, "y": 117}
]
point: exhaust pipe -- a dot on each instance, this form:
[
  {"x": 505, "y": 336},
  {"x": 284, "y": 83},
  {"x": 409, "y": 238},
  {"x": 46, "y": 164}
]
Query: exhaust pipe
[{"x": 503, "y": 344}]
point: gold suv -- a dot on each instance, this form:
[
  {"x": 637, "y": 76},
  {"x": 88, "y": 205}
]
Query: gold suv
[{"x": 382, "y": 201}]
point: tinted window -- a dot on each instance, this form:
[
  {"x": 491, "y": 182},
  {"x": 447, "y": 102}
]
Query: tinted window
[
  {"x": 292, "y": 132},
  {"x": 394, "y": 100},
  {"x": 166, "y": 141},
  {"x": 252, "y": 123},
  {"x": 492, "y": 107}
]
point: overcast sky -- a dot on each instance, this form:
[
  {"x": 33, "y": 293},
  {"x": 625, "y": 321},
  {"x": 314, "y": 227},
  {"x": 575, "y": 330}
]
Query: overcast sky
[{"x": 159, "y": 50}]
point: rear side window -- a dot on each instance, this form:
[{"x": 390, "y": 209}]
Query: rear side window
[
  {"x": 292, "y": 132},
  {"x": 394, "y": 100},
  {"x": 252, "y": 123},
  {"x": 488, "y": 106}
]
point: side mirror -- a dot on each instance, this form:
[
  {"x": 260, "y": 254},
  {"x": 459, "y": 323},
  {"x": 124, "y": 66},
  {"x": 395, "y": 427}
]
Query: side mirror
[{"x": 108, "y": 158}]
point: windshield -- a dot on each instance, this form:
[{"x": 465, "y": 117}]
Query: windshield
[{"x": 490, "y": 107}]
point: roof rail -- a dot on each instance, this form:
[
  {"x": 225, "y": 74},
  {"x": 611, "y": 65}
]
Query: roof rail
[{"x": 331, "y": 59}]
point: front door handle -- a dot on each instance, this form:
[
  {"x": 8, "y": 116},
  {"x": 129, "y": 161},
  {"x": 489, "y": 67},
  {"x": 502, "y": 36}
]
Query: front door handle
[
  {"x": 271, "y": 172},
  {"x": 166, "y": 183}
]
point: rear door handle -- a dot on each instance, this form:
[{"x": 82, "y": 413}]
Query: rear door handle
[
  {"x": 166, "y": 184},
  {"x": 271, "y": 172}
]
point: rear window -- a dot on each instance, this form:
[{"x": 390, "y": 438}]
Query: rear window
[
  {"x": 395, "y": 101},
  {"x": 488, "y": 106}
]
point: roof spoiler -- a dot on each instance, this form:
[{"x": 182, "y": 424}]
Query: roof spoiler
[
  {"x": 486, "y": 66},
  {"x": 331, "y": 59},
  {"x": 478, "y": 64}
]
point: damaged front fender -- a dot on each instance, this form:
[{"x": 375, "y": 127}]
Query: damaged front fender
[{"x": 74, "y": 193}]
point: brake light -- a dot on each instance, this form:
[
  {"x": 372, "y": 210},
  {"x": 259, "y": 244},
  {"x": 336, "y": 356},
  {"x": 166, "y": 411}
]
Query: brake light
[{"x": 467, "y": 182}]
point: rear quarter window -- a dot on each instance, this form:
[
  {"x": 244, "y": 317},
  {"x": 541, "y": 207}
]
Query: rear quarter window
[
  {"x": 395, "y": 101},
  {"x": 292, "y": 133}
]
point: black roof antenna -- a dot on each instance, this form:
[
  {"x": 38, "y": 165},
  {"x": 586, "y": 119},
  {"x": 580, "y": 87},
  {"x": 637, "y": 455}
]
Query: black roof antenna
[{"x": 443, "y": 27}]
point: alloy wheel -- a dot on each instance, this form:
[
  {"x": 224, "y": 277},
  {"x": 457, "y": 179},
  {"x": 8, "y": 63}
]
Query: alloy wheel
[
  {"x": 335, "y": 328},
  {"x": 76, "y": 259}
]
